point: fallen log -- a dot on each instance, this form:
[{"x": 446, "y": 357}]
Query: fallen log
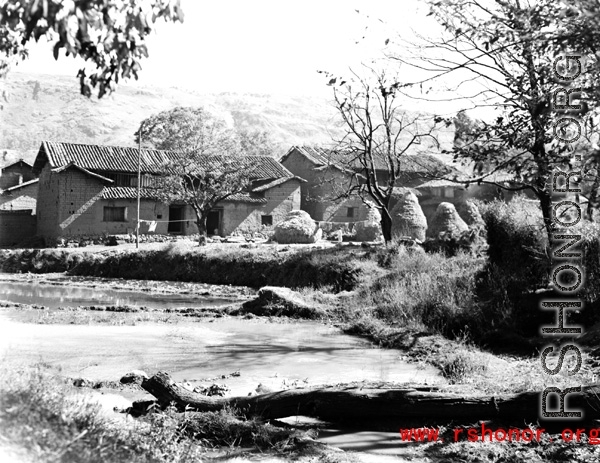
[{"x": 352, "y": 404}]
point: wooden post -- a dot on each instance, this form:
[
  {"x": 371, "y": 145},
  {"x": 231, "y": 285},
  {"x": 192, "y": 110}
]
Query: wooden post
[{"x": 139, "y": 176}]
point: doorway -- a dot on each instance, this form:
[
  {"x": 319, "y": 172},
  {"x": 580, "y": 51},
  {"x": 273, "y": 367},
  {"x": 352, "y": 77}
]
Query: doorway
[
  {"x": 214, "y": 222},
  {"x": 175, "y": 220}
]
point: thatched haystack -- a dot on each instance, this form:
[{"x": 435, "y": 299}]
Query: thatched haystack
[
  {"x": 369, "y": 229},
  {"x": 408, "y": 218},
  {"x": 447, "y": 222},
  {"x": 297, "y": 227},
  {"x": 469, "y": 212}
]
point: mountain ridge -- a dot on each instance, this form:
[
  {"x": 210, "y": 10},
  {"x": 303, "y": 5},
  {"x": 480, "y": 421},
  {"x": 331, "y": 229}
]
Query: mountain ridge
[{"x": 49, "y": 107}]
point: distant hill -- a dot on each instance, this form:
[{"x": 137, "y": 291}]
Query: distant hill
[{"x": 47, "y": 107}]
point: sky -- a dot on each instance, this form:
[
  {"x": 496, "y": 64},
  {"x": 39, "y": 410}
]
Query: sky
[{"x": 262, "y": 46}]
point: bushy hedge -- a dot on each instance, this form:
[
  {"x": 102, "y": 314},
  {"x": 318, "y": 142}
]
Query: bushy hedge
[
  {"x": 517, "y": 244},
  {"x": 520, "y": 263},
  {"x": 334, "y": 268}
]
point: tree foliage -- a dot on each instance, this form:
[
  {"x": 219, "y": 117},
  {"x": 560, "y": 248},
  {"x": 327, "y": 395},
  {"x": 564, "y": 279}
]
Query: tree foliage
[
  {"x": 509, "y": 55},
  {"x": 110, "y": 34},
  {"x": 211, "y": 161}
]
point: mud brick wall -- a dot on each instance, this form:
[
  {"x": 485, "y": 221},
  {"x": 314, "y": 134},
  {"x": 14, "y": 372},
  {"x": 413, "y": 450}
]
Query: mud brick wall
[
  {"x": 16, "y": 226},
  {"x": 20, "y": 199}
]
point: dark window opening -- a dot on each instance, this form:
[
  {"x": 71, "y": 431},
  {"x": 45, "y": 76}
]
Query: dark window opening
[
  {"x": 175, "y": 224},
  {"x": 115, "y": 214},
  {"x": 266, "y": 220},
  {"x": 351, "y": 212}
]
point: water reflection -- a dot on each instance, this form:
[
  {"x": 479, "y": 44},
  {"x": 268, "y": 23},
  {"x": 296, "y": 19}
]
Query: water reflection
[{"x": 53, "y": 296}]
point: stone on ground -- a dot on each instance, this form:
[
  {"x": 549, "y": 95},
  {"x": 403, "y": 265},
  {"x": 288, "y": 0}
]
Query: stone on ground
[
  {"x": 408, "y": 218},
  {"x": 134, "y": 377},
  {"x": 297, "y": 227}
]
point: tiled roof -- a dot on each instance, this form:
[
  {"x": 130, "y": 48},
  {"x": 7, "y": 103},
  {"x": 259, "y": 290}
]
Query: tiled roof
[
  {"x": 130, "y": 192},
  {"x": 127, "y": 192},
  {"x": 409, "y": 163},
  {"x": 72, "y": 165},
  {"x": 265, "y": 185},
  {"x": 439, "y": 183},
  {"x": 122, "y": 159},
  {"x": 245, "y": 198}
]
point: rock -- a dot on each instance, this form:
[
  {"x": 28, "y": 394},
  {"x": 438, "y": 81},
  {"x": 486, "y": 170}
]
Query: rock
[
  {"x": 408, "y": 219},
  {"x": 370, "y": 229},
  {"x": 447, "y": 222},
  {"x": 134, "y": 377},
  {"x": 214, "y": 389},
  {"x": 279, "y": 301},
  {"x": 82, "y": 382},
  {"x": 297, "y": 227}
]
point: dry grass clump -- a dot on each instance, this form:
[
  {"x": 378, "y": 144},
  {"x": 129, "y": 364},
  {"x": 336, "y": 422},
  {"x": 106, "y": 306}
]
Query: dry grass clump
[
  {"x": 408, "y": 218},
  {"x": 42, "y": 414},
  {"x": 426, "y": 290}
]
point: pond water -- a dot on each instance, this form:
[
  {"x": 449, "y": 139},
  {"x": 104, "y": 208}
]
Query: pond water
[
  {"x": 202, "y": 352},
  {"x": 274, "y": 354},
  {"x": 54, "y": 296}
]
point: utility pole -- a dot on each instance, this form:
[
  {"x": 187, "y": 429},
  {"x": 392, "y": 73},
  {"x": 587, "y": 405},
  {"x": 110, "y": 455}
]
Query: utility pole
[{"x": 139, "y": 177}]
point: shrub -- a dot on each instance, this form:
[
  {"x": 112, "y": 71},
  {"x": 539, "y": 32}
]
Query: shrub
[
  {"x": 517, "y": 245},
  {"x": 419, "y": 281},
  {"x": 520, "y": 262}
]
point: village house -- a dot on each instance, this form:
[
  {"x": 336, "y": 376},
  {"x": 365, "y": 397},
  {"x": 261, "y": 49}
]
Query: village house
[
  {"x": 328, "y": 180},
  {"x": 15, "y": 173},
  {"x": 90, "y": 190},
  {"x": 18, "y": 197}
]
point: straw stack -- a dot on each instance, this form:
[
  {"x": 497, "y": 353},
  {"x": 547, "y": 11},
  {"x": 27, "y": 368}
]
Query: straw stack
[
  {"x": 408, "y": 218},
  {"x": 447, "y": 222}
]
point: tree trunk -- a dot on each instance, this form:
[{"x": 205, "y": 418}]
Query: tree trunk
[
  {"x": 357, "y": 404},
  {"x": 386, "y": 225},
  {"x": 593, "y": 197},
  {"x": 546, "y": 205},
  {"x": 201, "y": 217}
]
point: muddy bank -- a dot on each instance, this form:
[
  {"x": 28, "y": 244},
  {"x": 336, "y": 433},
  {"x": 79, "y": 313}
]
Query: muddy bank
[{"x": 334, "y": 268}]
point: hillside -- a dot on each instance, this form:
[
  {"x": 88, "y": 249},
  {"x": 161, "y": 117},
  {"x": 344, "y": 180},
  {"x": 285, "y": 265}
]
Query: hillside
[{"x": 45, "y": 107}]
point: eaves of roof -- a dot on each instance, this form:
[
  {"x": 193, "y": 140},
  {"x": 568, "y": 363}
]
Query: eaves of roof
[
  {"x": 22, "y": 185},
  {"x": 276, "y": 182},
  {"x": 85, "y": 171}
]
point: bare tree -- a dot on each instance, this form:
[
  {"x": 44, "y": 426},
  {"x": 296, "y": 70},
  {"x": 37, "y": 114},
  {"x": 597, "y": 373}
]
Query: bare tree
[{"x": 380, "y": 139}]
